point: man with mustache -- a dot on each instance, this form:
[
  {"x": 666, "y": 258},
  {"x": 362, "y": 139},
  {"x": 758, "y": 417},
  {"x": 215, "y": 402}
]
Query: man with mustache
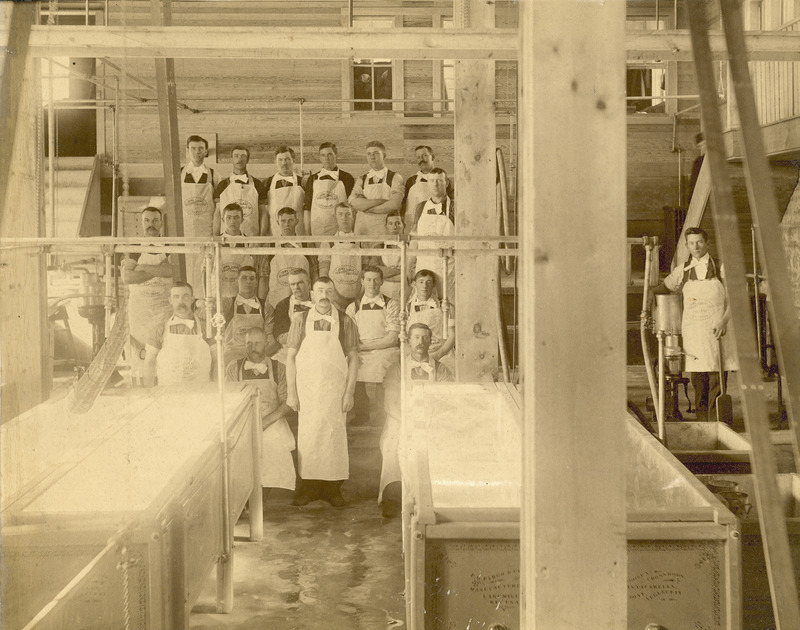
[
  {"x": 321, "y": 370},
  {"x": 180, "y": 354},
  {"x": 149, "y": 279},
  {"x": 419, "y": 366},
  {"x": 417, "y": 188},
  {"x": 298, "y": 302}
]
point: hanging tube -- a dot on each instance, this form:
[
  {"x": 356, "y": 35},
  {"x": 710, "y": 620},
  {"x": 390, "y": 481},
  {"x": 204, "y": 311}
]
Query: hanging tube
[
  {"x": 648, "y": 363},
  {"x": 662, "y": 435},
  {"x": 108, "y": 302},
  {"x": 501, "y": 338},
  {"x": 51, "y": 150}
]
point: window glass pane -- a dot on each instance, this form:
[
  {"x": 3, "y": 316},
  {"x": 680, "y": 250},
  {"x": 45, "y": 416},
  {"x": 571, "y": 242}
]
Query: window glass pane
[
  {"x": 362, "y": 86},
  {"x": 383, "y": 85}
]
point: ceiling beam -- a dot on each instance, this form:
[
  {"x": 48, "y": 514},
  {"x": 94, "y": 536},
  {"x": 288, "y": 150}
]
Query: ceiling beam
[{"x": 343, "y": 43}]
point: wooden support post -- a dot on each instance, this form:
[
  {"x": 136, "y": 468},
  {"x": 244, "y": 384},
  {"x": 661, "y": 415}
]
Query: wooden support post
[
  {"x": 170, "y": 141},
  {"x": 770, "y": 510},
  {"x": 476, "y": 208},
  {"x": 766, "y": 219},
  {"x": 25, "y": 347},
  {"x": 572, "y": 217}
]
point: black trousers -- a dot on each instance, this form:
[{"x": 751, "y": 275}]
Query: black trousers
[{"x": 706, "y": 389}]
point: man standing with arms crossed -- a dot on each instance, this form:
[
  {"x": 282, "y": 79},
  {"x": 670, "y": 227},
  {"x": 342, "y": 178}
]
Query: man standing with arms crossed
[
  {"x": 321, "y": 369},
  {"x": 376, "y": 193},
  {"x": 324, "y": 190}
]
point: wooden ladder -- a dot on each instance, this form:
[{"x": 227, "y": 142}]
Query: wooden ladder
[{"x": 765, "y": 215}]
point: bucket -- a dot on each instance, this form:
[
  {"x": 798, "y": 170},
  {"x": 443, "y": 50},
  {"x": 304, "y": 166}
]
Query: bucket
[{"x": 668, "y": 313}]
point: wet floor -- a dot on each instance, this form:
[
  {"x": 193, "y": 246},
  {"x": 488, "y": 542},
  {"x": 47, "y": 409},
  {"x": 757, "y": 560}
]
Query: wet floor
[{"x": 317, "y": 567}]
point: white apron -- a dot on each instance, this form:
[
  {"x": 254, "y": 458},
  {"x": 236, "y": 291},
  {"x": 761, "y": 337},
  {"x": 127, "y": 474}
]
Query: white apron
[
  {"x": 279, "y": 269},
  {"x": 391, "y": 440},
  {"x": 277, "y": 441},
  {"x": 246, "y": 196},
  {"x": 345, "y": 269},
  {"x": 198, "y": 220},
  {"x": 286, "y": 196},
  {"x": 391, "y": 286},
  {"x": 148, "y": 303},
  {"x": 235, "y": 331},
  {"x": 327, "y": 193},
  {"x": 703, "y": 306},
  {"x": 436, "y": 225},
  {"x": 372, "y": 364},
  {"x": 418, "y": 193},
  {"x": 431, "y": 317},
  {"x": 368, "y": 222},
  {"x": 183, "y": 358},
  {"x": 230, "y": 263},
  {"x": 321, "y": 381}
]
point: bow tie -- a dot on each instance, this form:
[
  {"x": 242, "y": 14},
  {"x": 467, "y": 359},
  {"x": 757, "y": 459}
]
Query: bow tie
[
  {"x": 435, "y": 208},
  {"x": 259, "y": 368},
  {"x": 333, "y": 179},
  {"x": 236, "y": 179},
  {"x": 281, "y": 181},
  {"x": 419, "y": 369},
  {"x": 302, "y": 306},
  {"x": 376, "y": 177},
  {"x": 424, "y": 306},
  {"x": 377, "y": 301},
  {"x": 251, "y": 302},
  {"x": 175, "y": 321},
  {"x": 326, "y": 174},
  {"x": 327, "y": 318}
]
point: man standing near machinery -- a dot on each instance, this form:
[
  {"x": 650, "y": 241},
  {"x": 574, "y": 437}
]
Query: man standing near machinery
[
  {"x": 149, "y": 280},
  {"x": 706, "y": 313},
  {"x": 419, "y": 366},
  {"x": 321, "y": 370}
]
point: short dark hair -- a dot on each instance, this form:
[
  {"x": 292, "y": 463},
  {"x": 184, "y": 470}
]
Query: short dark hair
[
  {"x": 256, "y": 330},
  {"x": 239, "y": 147},
  {"x": 324, "y": 280},
  {"x": 424, "y": 146},
  {"x": 378, "y": 144},
  {"x": 329, "y": 145},
  {"x": 394, "y": 213},
  {"x": 298, "y": 271},
  {"x": 284, "y": 149},
  {"x": 152, "y": 209},
  {"x": 438, "y": 171},
  {"x": 372, "y": 269},
  {"x": 196, "y": 139},
  {"x": 696, "y": 230},
  {"x": 232, "y": 207},
  {"x": 419, "y": 325},
  {"x": 246, "y": 268},
  {"x": 425, "y": 272},
  {"x": 177, "y": 284},
  {"x": 287, "y": 210},
  {"x": 342, "y": 204}
]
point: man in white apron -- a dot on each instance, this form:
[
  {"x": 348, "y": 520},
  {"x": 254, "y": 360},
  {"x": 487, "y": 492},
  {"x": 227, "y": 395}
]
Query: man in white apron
[
  {"x": 276, "y": 269},
  {"x": 704, "y": 324},
  {"x": 197, "y": 194},
  {"x": 180, "y": 354},
  {"x": 244, "y": 312},
  {"x": 434, "y": 217},
  {"x": 425, "y": 308},
  {"x": 324, "y": 190},
  {"x": 321, "y": 370},
  {"x": 419, "y": 366},
  {"x": 284, "y": 189},
  {"x": 376, "y": 193},
  {"x": 269, "y": 376},
  {"x": 298, "y": 302},
  {"x": 343, "y": 264},
  {"x": 417, "y": 189},
  {"x": 389, "y": 263},
  {"x": 378, "y": 320},
  {"x": 149, "y": 280},
  {"x": 246, "y": 191},
  {"x": 232, "y": 257}
]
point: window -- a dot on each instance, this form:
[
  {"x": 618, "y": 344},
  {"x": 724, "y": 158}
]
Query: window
[
  {"x": 647, "y": 80},
  {"x": 448, "y": 77},
  {"x": 372, "y": 78}
]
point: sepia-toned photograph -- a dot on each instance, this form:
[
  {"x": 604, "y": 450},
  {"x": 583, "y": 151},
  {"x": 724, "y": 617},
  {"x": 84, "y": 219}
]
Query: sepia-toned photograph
[{"x": 385, "y": 314}]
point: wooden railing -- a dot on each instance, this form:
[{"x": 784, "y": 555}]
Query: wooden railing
[{"x": 777, "y": 86}]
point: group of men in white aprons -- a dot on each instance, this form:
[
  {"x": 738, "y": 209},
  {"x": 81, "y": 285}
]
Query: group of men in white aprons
[{"x": 354, "y": 337}]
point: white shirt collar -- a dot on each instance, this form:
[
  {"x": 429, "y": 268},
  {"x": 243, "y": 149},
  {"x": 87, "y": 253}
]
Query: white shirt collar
[
  {"x": 288, "y": 178},
  {"x": 381, "y": 174},
  {"x": 314, "y": 315},
  {"x": 378, "y": 299},
  {"x": 431, "y": 301},
  {"x": 245, "y": 176},
  {"x": 175, "y": 320},
  {"x": 196, "y": 171},
  {"x": 324, "y": 171},
  {"x": 251, "y": 302},
  {"x": 293, "y": 301},
  {"x": 696, "y": 262},
  {"x": 425, "y": 176}
]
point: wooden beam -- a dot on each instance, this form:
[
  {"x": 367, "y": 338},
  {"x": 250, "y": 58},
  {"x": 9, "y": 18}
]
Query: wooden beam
[
  {"x": 768, "y": 501},
  {"x": 263, "y": 42},
  {"x": 15, "y": 53},
  {"x": 476, "y": 207},
  {"x": 694, "y": 215},
  {"x": 573, "y": 221},
  {"x": 781, "y": 138},
  {"x": 25, "y": 348},
  {"x": 272, "y": 43},
  {"x": 168, "y": 123}
]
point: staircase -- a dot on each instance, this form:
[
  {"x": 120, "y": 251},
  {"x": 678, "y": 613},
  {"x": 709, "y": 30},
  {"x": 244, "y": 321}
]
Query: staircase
[{"x": 73, "y": 176}]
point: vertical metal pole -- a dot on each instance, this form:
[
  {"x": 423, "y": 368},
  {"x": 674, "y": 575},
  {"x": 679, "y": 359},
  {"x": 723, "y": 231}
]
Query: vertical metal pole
[
  {"x": 114, "y": 160},
  {"x": 756, "y": 284},
  {"x": 109, "y": 298},
  {"x": 209, "y": 290},
  {"x": 662, "y": 432},
  {"x": 51, "y": 150},
  {"x": 300, "y": 106}
]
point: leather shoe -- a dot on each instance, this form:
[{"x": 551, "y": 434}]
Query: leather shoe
[
  {"x": 301, "y": 499},
  {"x": 335, "y": 498},
  {"x": 390, "y": 508}
]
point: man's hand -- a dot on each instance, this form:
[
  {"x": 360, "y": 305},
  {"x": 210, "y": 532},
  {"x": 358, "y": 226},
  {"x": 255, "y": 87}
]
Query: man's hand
[
  {"x": 719, "y": 330},
  {"x": 293, "y": 402},
  {"x": 347, "y": 402}
]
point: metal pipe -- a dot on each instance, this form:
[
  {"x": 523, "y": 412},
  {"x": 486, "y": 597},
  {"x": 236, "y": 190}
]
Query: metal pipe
[
  {"x": 445, "y": 305},
  {"x": 350, "y": 13},
  {"x": 658, "y": 13},
  {"x": 86, "y": 5},
  {"x": 109, "y": 279},
  {"x": 501, "y": 338},
  {"x": 107, "y": 62},
  {"x": 688, "y": 109},
  {"x": 114, "y": 164},
  {"x": 756, "y": 288},
  {"x": 300, "y": 106},
  {"x": 209, "y": 289},
  {"x": 51, "y": 150},
  {"x": 646, "y": 296},
  {"x": 661, "y": 392},
  {"x": 227, "y": 532}
]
